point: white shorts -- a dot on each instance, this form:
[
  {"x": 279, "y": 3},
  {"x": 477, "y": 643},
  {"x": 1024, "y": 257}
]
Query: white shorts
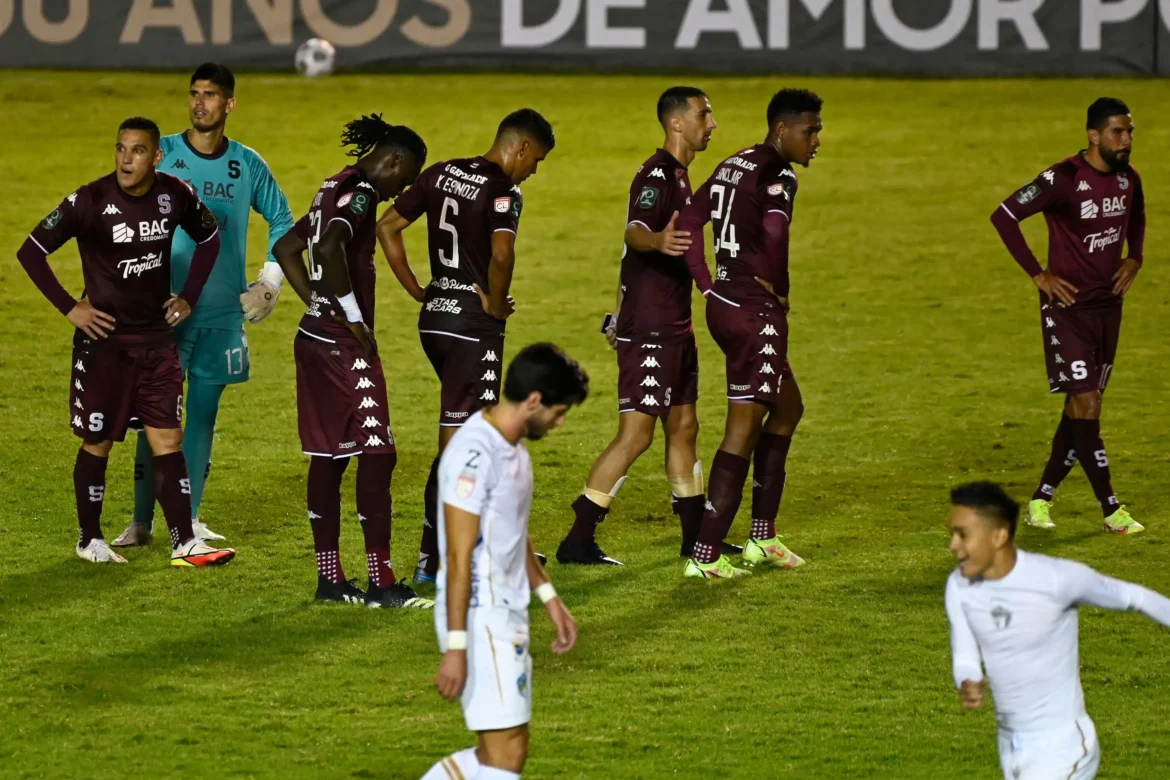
[
  {"x": 1067, "y": 753},
  {"x": 498, "y": 692}
]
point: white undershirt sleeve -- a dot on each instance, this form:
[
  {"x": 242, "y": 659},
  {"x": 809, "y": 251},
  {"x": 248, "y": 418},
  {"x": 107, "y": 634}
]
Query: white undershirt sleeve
[
  {"x": 1082, "y": 585},
  {"x": 966, "y": 661}
]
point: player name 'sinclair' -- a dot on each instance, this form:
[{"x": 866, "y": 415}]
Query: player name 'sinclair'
[{"x": 729, "y": 176}]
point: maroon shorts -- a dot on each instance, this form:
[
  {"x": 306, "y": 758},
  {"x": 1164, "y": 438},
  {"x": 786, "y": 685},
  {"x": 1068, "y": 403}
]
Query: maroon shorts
[
  {"x": 655, "y": 375},
  {"x": 755, "y": 343},
  {"x": 1079, "y": 346},
  {"x": 341, "y": 400},
  {"x": 470, "y": 370},
  {"x": 112, "y": 386}
]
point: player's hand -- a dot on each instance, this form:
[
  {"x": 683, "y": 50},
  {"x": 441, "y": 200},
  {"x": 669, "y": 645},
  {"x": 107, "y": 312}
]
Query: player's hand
[
  {"x": 611, "y": 331},
  {"x": 452, "y": 674},
  {"x": 672, "y": 242},
  {"x": 566, "y": 627},
  {"x": 971, "y": 693},
  {"x": 771, "y": 288},
  {"x": 259, "y": 301},
  {"x": 486, "y": 302},
  {"x": 176, "y": 310},
  {"x": 1055, "y": 287},
  {"x": 365, "y": 337},
  {"x": 1125, "y": 275},
  {"x": 95, "y": 324}
]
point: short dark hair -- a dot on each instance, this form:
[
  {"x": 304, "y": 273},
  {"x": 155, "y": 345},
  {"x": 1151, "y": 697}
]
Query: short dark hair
[
  {"x": 544, "y": 368},
  {"x": 791, "y": 102},
  {"x": 1103, "y": 108},
  {"x": 142, "y": 123},
  {"x": 370, "y": 132},
  {"x": 529, "y": 122},
  {"x": 675, "y": 99},
  {"x": 219, "y": 75},
  {"x": 989, "y": 500}
]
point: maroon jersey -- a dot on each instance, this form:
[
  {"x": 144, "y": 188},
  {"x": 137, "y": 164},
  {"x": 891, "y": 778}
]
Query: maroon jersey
[
  {"x": 1090, "y": 215},
  {"x": 125, "y": 246},
  {"x": 743, "y": 189},
  {"x": 347, "y": 197},
  {"x": 465, "y": 201},
  {"x": 656, "y": 288}
]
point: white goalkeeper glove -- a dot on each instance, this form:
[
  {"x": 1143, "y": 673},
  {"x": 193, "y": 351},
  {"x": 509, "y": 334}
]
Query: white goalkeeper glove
[{"x": 260, "y": 299}]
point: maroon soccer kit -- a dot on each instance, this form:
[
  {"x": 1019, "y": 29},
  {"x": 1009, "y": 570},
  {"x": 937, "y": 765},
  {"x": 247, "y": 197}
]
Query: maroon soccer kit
[
  {"x": 658, "y": 362},
  {"x": 342, "y": 408},
  {"x": 466, "y": 201},
  {"x": 1091, "y": 216}
]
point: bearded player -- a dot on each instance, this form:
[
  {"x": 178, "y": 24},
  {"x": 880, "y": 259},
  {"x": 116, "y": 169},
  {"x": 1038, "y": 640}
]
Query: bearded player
[
  {"x": 658, "y": 363},
  {"x": 473, "y": 210},
  {"x": 1094, "y": 206},
  {"x": 232, "y": 180},
  {"x": 125, "y": 363},
  {"x": 749, "y": 201},
  {"x": 341, "y": 392}
]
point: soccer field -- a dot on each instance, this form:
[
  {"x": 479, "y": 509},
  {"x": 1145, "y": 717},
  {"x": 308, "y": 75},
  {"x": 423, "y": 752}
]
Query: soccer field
[{"x": 916, "y": 342}]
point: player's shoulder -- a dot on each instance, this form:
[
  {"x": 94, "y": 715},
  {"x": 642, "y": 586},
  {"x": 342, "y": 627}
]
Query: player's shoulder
[
  {"x": 171, "y": 183},
  {"x": 171, "y": 143},
  {"x": 476, "y": 439},
  {"x": 250, "y": 156},
  {"x": 1064, "y": 171},
  {"x": 659, "y": 166},
  {"x": 956, "y": 582}
]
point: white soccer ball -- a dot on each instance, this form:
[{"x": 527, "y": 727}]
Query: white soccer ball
[{"x": 315, "y": 57}]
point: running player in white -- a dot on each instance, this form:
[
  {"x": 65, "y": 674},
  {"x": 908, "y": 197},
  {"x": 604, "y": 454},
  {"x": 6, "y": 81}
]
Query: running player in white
[
  {"x": 1014, "y": 614},
  {"x": 487, "y": 566}
]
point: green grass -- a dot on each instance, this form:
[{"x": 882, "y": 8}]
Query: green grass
[{"x": 916, "y": 342}]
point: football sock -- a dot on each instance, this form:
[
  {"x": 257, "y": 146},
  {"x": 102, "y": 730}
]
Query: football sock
[
  {"x": 768, "y": 482},
  {"x": 173, "y": 491},
  {"x": 325, "y": 514},
  {"x": 202, "y": 407},
  {"x": 143, "y": 482},
  {"x": 428, "y": 549},
  {"x": 89, "y": 488},
  {"x": 1060, "y": 461},
  {"x": 463, "y": 764},
  {"x": 587, "y": 515},
  {"x": 375, "y": 511},
  {"x": 1086, "y": 436},
  {"x": 690, "y": 516},
  {"x": 724, "y": 495},
  {"x": 492, "y": 773}
]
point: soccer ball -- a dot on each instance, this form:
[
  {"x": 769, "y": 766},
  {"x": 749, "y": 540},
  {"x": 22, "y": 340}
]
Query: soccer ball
[{"x": 315, "y": 57}]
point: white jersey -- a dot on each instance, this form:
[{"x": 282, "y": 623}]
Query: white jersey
[
  {"x": 1023, "y": 629},
  {"x": 482, "y": 473}
]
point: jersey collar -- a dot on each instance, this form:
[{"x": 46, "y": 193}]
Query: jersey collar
[{"x": 220, "y": 152}]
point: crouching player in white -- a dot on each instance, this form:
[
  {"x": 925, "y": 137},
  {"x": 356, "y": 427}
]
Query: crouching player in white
[
  {"x": 1014, "y": 613},
  {"x": 487, "y": 567}
]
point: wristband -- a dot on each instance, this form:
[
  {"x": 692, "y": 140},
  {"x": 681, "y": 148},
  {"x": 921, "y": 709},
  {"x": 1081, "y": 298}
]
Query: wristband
[
  {"x": 272, "y": 274},
  {"x": 349, "y": 304},
  {"x": 456, "y": 640},
  {"x": 546, "y": 592}
]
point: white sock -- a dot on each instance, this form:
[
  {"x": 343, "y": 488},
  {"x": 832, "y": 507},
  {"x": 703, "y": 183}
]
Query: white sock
[
  {"x": 492, "y": 773},
  {"x": 458, "y": 766}
]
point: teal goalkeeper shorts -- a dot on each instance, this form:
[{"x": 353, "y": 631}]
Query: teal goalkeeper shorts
[{"x": 213, "y": 356}]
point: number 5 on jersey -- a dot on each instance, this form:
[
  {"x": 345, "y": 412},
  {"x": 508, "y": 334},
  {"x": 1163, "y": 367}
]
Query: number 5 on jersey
[{"x": 452, "y": 260}]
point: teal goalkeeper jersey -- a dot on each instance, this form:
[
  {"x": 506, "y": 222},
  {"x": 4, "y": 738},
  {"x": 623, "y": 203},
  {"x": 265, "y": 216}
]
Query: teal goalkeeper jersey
[{"x": 231, "y": 182}]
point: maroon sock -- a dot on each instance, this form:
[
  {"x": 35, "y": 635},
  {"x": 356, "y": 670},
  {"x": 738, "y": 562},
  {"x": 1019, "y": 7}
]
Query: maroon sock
[
  {"x": 690, "y": 516},
  {"x": 375, "y": 511},
  {"x": 172, "y": 489},
  {"x": 1060, "y": 461},
  {"x": 724, "y": 495},
  {"x": 768, "y": 482},
  {"x": 89, "y": 488},
  {"x": 428, "y": 549},
  {"x": 325, "y": 514},
  {"x": 1086, "y": 436},
  {"x": 587, "y": 517}
]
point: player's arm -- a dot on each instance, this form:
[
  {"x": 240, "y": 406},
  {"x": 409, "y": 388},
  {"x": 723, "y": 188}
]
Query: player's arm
[
  {"x": 691, "y": 220},
  {"x": 1079, "y": 584},
  {"x": 776, "y": 196},
  {"x": 289, "y": 251},
  {"x": 269, "y": 201},
  {"x": 558, "y": 613},
  {"x": 462, "y": 529},
  {"x": 966, "y": 660},
  {"x": 1136, "y": 240},
  {"x": 1046, "y": 192},
  {"x": 200, "y": 224},
  {"x": 390, "y": 228},
  {"x": 498, "y": 303},
  {"x": 330, "y": 255}
]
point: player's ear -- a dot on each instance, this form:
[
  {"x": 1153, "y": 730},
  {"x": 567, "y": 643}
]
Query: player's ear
[
  {"x": 230, "y": 106},
  {"x": 158, "y": 155},
  {"x": 533, "y": 402}
]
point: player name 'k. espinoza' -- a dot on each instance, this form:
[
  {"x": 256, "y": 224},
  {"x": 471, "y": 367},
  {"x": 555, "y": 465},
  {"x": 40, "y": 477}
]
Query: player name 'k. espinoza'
[{"x": 467, "y": 188}]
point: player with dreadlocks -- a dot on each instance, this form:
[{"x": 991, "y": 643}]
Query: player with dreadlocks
[{"x": 341, "y": 392}]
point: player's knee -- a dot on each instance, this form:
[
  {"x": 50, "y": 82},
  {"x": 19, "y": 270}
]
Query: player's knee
[
  {"x": 164, "y": 441},
  {"x": 99, "y": 449},
  {"x": 634, "y": 440},
  {"x": 683, "y": 427},
  {"x": 506, "y": 750},
  {"x": 1085, "y": 406}
]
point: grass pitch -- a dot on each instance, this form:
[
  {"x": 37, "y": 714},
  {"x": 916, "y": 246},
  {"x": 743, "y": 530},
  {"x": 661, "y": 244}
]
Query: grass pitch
[{"x": 915, "y": 340}]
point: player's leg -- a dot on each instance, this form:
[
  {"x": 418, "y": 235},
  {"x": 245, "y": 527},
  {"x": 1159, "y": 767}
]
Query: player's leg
[
  {"x": 202, "y": 410},
  {"x": 140, "y": 530},
  {"x": 1061, "y": 460},
  {"x": 502, "y": 753},
  {"x": 375, "y": 512},
  {"x": 324, "y": 502},
  {"x": 769, "y": 475},
  {"x": 89, "y": 490},
  {"x": 684, "y": 472},
  {"x": 463, "y": 765}
]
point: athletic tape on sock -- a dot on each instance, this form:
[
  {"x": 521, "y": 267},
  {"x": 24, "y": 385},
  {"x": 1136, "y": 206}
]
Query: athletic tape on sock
[{"x": 688, "y": 485}]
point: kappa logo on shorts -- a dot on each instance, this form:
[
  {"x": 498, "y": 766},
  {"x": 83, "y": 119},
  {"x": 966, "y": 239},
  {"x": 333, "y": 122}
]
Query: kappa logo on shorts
[
  {"x": 77, "y": 385},
  {"x": 651, "y": 346},
  {"x": 488, "y": 395},
  {"x": 1055, "y": 341},
  {"x": 1061, "y": 377},
  {"x": 76, "y": 421},
  {"x": 649, "y": 400},
  {"x": 769, "y": 330},
  {"x": 767, "y": 369},
  {"x": 650, "y": 362},
  {"x": 79, "y": 366},
  {"x": 767, "y": 350},
  {"x": 363, "y": 383},
  {"x": 374, "y": 441},
  {"x": 77, "y": 404},
  {"x": 488, "y": 376},
  {"x": 649, "y": 382},
  {"x": 765, "y": 388},
  {"x": 371, "y": 422},
  {"x": 1058, "y": 360},
  {"x": 1049, "y": 322},
  {"x": 489, "y": 356},
  {"x": 367, "y": 403},
  {"x": 359, "y": 365}
]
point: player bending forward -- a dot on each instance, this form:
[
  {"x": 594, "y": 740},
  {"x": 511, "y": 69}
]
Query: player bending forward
[
  {"x": 749, "y": 201},
  {"x": 1093, "y": 204},
  {"x": 658, "y": 363},
  {"x": 488, "y": 567},
  {"x": 341, "y": 391},
  {"x": 125, "y": 364},
  {"x": 1014, "y": 614}
]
